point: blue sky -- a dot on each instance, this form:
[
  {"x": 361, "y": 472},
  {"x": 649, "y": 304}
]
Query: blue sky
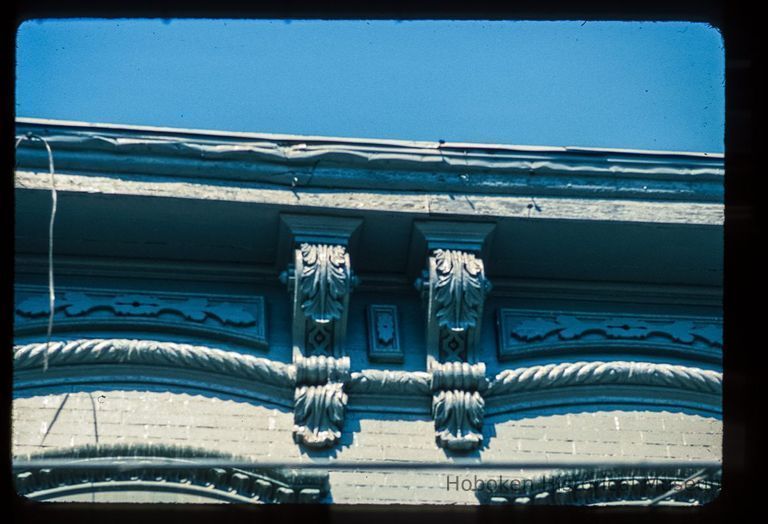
[{"x": 595, "y": 84}]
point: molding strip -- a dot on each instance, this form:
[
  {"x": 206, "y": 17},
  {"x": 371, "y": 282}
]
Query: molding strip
[
  {"x": 166, "y": 354},
  {"x": 223, "y": 483},
  {"x": 398, "y": 164},
  {"x": 318, "y": 372},
  {"x": 551, "y": 376}
]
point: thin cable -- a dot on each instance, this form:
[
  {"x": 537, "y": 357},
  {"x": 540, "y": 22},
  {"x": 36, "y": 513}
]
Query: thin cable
[
  {"x": 699, "y": 475},
  {"x": 157, "y": 462},
  {"x": 54, "y": 200}
]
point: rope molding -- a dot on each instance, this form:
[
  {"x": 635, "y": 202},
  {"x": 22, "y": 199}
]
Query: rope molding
[
  {"x": 166, "y": 354},
  {"x": 617, "y": 372},
  {"x": 550, "y": 376}
]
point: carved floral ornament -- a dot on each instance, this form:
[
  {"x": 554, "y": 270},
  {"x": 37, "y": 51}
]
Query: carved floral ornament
[
  {"x": 325, "y": 281},
  {"x": 460, "y": 288},
  {"x": 320, "y": 280},
  {"x": 567, "y": 327},
  {"x": 455, "y": 291}
]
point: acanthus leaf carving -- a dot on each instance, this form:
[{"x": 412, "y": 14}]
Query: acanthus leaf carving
[
  {"x": 325, "y": 281},
  {"x": 320, "y": 280},
  {"x": 320, "y": 400},
  {"x": 460, "y": 289},
  {"x": 455, "y": 287},
  {"x": 458, "y": 418},
  {"x": 458, "y": 406},
  {"x": 319, "y": 414}
]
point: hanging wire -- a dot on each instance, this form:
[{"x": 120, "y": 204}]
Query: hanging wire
[
  {"x": 699, "y": 475},
  {"x": 54, "y": 200}
]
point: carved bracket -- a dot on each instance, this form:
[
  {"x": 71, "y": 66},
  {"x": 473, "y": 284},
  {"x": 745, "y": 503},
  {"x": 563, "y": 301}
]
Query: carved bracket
[
  {"x": 454, "y": 288},
  {"x": 320, "y": 279}
]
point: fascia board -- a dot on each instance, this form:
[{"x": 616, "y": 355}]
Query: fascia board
[{"x": 291, "y": 160}]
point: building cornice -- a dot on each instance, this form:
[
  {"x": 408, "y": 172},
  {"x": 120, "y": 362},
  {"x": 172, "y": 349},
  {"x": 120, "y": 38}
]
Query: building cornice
[{"x": 363, "y": 164}]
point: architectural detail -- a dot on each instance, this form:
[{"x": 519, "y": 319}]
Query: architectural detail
[
  {"x": 319, "y": 400},
  {"x": 605, "y": 486},
  {"x": 320, "y": 280},
  {"x": 384, "y": 334},
  {"x": 386, "y": 165},
  {"x": 454, "y": 286},
  {"x": 324, "y": 382},
  {"x": 216, "y": 483},
  {"x": 601, "y": 373},
  {"x": 325, "y": 281},
  {"x": 81, "y": 304},
  {"x": 524, "y": 332},
  {"x": 607, "y": 295},
  {"x": 29, "y": 357},
  {"x": 457, "y": 405},
  {"x": 374, "y": 381},
  {"x": 460, "y": 289},
  {"x": 319, "y": 414},
  {"x": 239, "y": 320}
]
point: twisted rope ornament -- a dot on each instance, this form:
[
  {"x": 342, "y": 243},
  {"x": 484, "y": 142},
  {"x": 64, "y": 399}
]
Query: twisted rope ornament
[
  {"x": 617, "y": 372},
  {"x": 168, "y": 354}
]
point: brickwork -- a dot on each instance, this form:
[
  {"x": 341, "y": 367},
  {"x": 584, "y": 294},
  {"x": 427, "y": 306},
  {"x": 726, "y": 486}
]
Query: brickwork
[{"x": 265, "y": 433}]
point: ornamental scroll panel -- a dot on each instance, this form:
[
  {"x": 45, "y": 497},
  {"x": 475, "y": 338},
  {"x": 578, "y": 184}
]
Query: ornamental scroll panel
[
  {"x": 233, "y": 318},
  {"x": 524, "y": 333},
  {"x": 454, "y": 286},
  {"x": 320, "y": 280}
]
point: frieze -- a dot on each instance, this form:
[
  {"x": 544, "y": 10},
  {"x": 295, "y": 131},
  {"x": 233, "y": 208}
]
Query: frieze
[
  {"x": 231, "y": 317},
  {"x": 528, "y": 332}
]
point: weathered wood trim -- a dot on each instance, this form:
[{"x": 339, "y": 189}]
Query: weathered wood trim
[{"x": 468, "y": 203}]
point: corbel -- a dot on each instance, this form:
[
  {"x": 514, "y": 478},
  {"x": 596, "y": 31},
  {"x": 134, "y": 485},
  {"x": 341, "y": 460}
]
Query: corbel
[
  {"x": 454, "y": 288},
  {"x": 320, "y": 280}
]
